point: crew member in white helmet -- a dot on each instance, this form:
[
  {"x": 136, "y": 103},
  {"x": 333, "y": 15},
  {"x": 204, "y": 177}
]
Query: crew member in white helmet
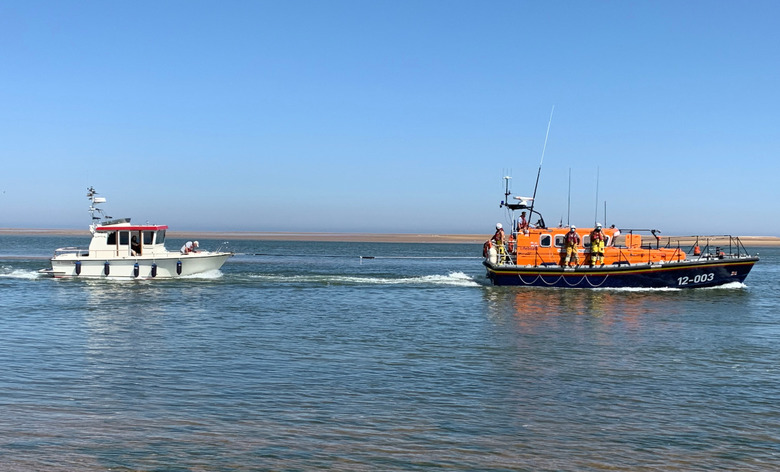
[
  {"x": 499, "y": 236},
  {"x": 597, "y": 241},
  {"x": 571, "y": 243},
  {"x": 189, "y": 247}
]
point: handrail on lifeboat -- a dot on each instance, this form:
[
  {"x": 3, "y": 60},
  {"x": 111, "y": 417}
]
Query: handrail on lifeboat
[{"x": 735, "y": 246}]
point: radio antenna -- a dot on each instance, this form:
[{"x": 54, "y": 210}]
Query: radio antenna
[
  {"x": 596, "y": 214},
  {"x": 539, "y": 172},
  {"x": 568, "y": 206}
]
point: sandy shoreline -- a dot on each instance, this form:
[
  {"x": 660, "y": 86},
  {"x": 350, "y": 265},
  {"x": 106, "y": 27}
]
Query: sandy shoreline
[{"x": 752, "y": 241}]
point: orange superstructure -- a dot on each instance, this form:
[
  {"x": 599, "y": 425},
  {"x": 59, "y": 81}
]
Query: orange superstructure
[{"x": 544, "y": 247}]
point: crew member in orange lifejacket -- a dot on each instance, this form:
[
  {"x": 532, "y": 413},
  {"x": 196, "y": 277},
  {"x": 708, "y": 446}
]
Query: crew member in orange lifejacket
[
  {"x": 696, "y": 250},
  {"x": 499, "y": 238},
  {"x": 522, "y": 223},
  {"x": 571, "y": 243},
  {"x": 597, "y": 242}
]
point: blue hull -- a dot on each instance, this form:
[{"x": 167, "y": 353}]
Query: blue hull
[{"x": 687, "y": 274}]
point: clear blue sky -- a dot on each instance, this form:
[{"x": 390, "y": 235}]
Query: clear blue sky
[{"x": 390, "y": 116}]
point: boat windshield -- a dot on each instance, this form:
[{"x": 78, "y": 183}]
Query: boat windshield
[{"x": 160, "y": 236}]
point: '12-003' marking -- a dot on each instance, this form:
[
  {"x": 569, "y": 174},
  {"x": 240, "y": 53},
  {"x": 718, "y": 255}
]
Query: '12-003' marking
[{"x": 701, "y": 278}]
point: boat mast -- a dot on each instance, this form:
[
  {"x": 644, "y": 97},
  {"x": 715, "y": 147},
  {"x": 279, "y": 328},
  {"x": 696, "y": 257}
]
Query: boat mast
[
  {"x": 596, "y": 213},
  {"x": 94, "y": 200},
  {"x": 539, "y": 172},
  {"x": 568, "y": 206}
]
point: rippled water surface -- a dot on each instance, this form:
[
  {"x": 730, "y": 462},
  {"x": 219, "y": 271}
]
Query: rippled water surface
[{"x": 301, "y": 356}]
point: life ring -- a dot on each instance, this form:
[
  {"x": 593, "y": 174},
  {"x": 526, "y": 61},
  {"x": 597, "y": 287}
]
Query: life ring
[{"x": 486, "y": 247}]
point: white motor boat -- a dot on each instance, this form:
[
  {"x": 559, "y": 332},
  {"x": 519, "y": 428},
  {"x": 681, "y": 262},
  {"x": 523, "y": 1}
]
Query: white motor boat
[{"x": 122, "y": 250}]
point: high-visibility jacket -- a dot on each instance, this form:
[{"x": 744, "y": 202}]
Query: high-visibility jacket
[{"x": 596, "y": 236}]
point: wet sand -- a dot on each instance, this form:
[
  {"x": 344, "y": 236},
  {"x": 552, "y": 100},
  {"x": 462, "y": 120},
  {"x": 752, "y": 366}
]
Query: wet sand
[{"x": 752, "y": 241}]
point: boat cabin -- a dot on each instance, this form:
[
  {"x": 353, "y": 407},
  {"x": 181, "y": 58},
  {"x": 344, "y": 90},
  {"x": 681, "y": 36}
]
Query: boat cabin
[{"x": 118, "y": 238}]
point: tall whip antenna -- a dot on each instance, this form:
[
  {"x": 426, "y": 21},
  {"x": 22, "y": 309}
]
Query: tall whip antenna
[
  {"x": 568, "y": 206},
  {"x": 596, "y": 214},
  {"x": 539, "y": 172}
]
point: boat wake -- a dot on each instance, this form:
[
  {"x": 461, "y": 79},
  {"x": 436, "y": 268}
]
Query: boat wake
[
  {"x": 208, "y": 275},
  {"x": 456, "y": 279},
  {"x": 728, "y": 286},
  {"x": 8, "y": 273}
]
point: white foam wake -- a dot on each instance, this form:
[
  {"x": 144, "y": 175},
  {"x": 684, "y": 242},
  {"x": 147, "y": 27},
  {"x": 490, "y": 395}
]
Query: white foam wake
[
  {"x": 728, "y": 286},
  {"x": 208, "y": 275},
  {"x": 19, "y": 274},
  {"x": 639, "y": 289},
  {"x": 457, "y": 279}
]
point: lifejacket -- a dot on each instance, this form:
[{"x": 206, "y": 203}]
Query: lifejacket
[
  {"x": 498, "y": 237},
  {"x": 696, "y": 250},
  {"x": 596, "y": 236},
  {"x": 511, "y": 244},
  {"x": 522, "y": 224},
  {"x": 572, "y": 238}
]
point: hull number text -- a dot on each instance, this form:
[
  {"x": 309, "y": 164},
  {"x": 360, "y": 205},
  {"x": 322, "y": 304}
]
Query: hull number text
[{"x": 698, "y": 279}]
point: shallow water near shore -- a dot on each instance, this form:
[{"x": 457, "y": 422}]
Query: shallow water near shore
[{"x": 300, "y": 356}]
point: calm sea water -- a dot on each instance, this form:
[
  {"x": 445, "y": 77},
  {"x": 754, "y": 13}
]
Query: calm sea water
[{"x": 302, "y": 356}]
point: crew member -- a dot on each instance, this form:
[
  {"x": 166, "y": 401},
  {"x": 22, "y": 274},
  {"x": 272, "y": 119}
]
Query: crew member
[
  {"x": 571, "y": 243},
  {"x": 522, "y": 223},
  {"x": 189, "y": 247},
  {"x": 597, "y": 246},
  {"x": 615, "y": 234},
  {"x": 499, "y": 238}
]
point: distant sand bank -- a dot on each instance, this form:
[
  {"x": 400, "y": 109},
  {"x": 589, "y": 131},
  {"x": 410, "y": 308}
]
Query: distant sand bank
[{"x": 753, "y": 241}]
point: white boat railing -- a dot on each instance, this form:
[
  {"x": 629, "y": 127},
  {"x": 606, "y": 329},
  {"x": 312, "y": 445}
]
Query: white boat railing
[{"x": 79, "y": 251}]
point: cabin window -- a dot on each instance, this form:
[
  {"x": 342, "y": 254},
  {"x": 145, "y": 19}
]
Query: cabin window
[
  {"x": 111, "y": 239},
  {"x": 161, "y": 236},
  {"x": 148, "y": 237},
  {"x": 124, "y": 238},
  {"x": 607, "y": 239},
  {"x": 586, "y": 241},
  {"x": 545, "y": 240},
  {"x": 559, "y": 240}
]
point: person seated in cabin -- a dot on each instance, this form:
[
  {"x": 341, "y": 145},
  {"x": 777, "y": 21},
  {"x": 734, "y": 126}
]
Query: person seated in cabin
[
  {"x": 571, "y": 245},
  {"x": 522, "y": 223},
  {"x": 189, "y": 247},
  {"x": 597, "y": 246},
  {"x": 135, "y": 247}
]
